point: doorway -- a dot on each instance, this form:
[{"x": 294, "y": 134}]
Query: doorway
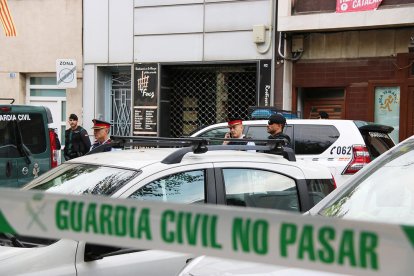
[
  {"x": 330, "y": 100},
  {"x": 43, "y": 91}
]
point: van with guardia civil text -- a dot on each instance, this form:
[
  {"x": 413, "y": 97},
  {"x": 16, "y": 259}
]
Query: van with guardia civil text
[{"x": 28, "y": 147}]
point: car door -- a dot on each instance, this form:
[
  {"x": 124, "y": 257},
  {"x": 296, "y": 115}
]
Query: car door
[
  {"x": 125, "y": 262},
  {"x": 202, "y": 174},
  {"x": 55, "y": 259},
  {"x": 9, "y": 154},
  {"x": 182, "y": 184},
  {"x": 264, "y": 185}
]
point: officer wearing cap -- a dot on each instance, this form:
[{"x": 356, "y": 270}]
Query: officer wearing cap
[
  {"x": 235, "y": 126},
  {"x": 101, "y": 133},
  {"x": 275, "y": 127}
]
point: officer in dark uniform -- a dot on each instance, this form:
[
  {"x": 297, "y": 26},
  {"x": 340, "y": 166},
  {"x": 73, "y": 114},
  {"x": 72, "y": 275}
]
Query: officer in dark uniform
[
  {"x": 275, "y": 127},
  {"x": 101, "y": 133},
  {"x": 77, "y": 142}
]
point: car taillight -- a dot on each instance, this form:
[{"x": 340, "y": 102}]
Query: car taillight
[
  {"x": 53, "y": 152},
  {"x": 5, "y": 109},
  {"x": 360, "y": 157}
]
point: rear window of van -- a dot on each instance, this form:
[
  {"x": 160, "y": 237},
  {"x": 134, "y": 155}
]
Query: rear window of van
[
  {"x": 377, "y": 143},
  {"x": 31, "y": 130}
]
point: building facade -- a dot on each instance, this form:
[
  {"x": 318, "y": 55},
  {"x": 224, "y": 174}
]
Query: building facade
[
  {"x": 354, "y": 65},
  {"x": 167, "y": 67},
  {"x": 47, "y": 30}
]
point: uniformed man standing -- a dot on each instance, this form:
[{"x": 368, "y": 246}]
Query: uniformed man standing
[
  {"x": 77, "y": 141},
  {"x": 275, "y": 127},
  {"x": 236, "y": 132},
  {"x": 101, "y": 133}
]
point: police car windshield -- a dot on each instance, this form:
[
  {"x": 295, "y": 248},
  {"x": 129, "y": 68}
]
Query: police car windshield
[
  {"x": 383, "y": 194},
  {"x": 83, "y": 179}
]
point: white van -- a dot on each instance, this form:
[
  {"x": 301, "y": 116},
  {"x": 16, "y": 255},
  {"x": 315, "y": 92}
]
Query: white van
[{"x": 344, "y": 146}]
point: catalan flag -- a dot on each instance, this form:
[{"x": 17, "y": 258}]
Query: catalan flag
[{"x": 6, "y": 19}]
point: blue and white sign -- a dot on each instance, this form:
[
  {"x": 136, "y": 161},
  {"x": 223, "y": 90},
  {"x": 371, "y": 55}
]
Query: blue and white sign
[
  {"x": 66, "y": 73},
  {"x": 387, "y": 109}
]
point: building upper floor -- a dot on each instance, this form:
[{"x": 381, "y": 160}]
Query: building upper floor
[
  {"x": 321, "y": 15},
  {"x": 46, "y": 30},
  {"x": 128, "y": 31}
]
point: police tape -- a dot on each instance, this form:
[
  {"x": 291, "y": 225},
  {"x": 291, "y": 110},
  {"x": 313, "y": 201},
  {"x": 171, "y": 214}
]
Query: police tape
[{"x": 254, "y": 235}]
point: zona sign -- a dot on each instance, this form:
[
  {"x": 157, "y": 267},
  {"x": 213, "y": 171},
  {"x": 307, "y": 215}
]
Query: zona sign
[{"x": 66, "y": 73}]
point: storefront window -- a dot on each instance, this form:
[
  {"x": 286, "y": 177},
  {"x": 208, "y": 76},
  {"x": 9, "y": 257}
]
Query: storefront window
[{"x": 387, "y": 108}]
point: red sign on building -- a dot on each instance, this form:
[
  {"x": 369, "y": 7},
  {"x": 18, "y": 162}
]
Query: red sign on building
[{"x": 356, "y": 5}]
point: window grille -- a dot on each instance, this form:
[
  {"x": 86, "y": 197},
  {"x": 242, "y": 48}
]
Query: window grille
[
  {"x": 205, "y": 95},
  {"x": 121, "y": 103}
]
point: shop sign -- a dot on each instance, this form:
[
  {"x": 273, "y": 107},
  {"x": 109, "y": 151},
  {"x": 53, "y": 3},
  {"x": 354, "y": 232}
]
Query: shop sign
[
  {"x": 356, "y": 5},
  {"x": 145, "y": 99}
]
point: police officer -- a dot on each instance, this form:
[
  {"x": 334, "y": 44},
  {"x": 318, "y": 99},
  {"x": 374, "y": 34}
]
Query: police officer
[
  {"x": 235, "y": 126},
  {"x": 275, "y": 127},
  {"x": 77, "y": 141},
  {"x": 101, "y": 133}
]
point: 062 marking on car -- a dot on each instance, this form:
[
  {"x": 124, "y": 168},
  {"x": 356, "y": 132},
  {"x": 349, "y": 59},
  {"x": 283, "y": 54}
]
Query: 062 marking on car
[
  {"x": 249, "y": 234},
  {"x": 341, "y": 150}
]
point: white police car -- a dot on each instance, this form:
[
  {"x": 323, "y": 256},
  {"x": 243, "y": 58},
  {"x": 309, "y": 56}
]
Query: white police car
[
  {"x": 225, "y": 177},
  {"x": 382, "y": 191},
  {"x": 345, "y": 146}
]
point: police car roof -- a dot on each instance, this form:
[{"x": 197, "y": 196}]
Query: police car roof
[{"x": 140, "y": 158}]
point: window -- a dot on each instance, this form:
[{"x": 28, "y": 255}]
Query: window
[
  {"x": 32, "y": 133},
  {"x": 258, "y": 188},
  {"x": 183, "y": 187},
  {"x": 377, "y": 143},
  {"x": 85, "y": 179},
  {"x": 43, "y": 81},
  {"x": 314, "y": 139},
  {"x": 385, "y": 193},
  {"x": 319, "y": 188},
  {"x": 215, "y": 133},
  {"x": 257, "y": 132}
]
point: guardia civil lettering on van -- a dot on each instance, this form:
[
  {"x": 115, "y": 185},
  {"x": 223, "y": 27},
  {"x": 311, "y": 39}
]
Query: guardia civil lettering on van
[{"x": 15, "y": 117}]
